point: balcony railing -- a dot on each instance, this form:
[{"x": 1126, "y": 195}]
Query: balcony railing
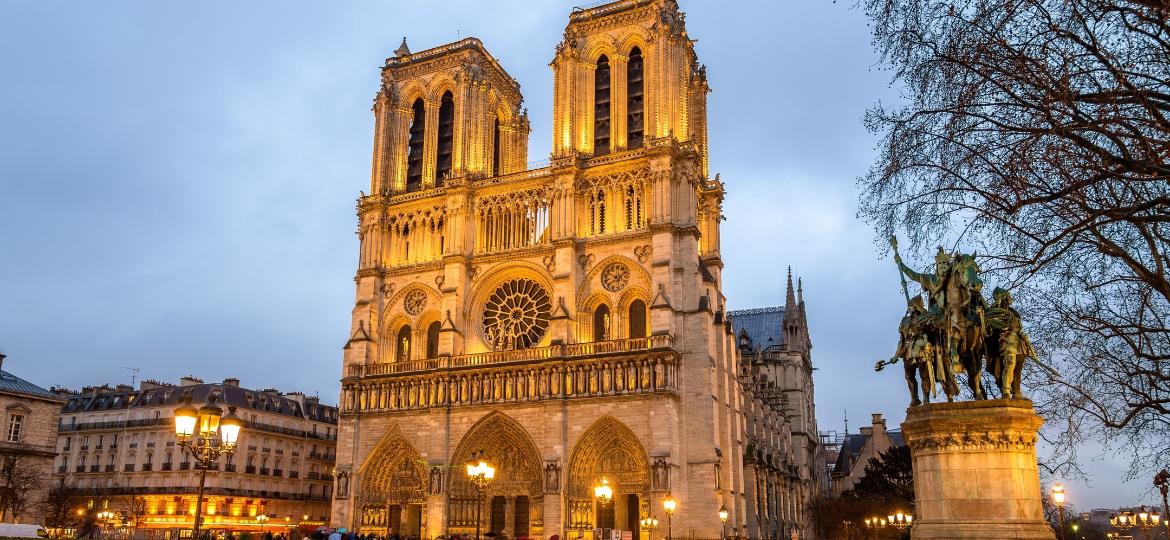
[
  {"x": 209, "y": 490},
  {"x": 576, "y": 350},
  {"x": 129, "y": 467},
  {"x": 80, "y": 468},
  {"x": 185, "y": 466},
  {"x": 94, "y": 468},
  {"x": 114, "y": 424},
  {"x": 322, "y": 456},
  {"x": 167, "y": 466},
  {"x": 110, "y": 468},
  {"x": 61, "y": 469}
]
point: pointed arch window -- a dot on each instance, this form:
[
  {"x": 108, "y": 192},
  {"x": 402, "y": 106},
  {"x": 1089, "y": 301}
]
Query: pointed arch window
[
  {"x": 601, "y": 321},
  {"x": 633, "y": 200},
  {"x": 414, "y": 150},
  {"x": 601, "y": 106},
  {"x": 433, "y": 340},
  {"x": 637, "y": 319},
  {"x": 446, "y": 137},
  {"x": 496, "y": 149},
  {"x": 403, "y": 344},
  {"x": 597, "y": 213},
  {"x": 635, "y": 100}
]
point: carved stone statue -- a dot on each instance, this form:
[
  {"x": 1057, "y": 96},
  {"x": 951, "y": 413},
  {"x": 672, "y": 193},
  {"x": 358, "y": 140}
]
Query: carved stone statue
[
  {"x": 552, "y": 477},
  {"x": 436, "y": 481}
]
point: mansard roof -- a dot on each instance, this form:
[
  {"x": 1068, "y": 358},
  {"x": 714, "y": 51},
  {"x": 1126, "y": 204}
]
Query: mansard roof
[
  {"x": 12, "y": 383},
  {"x": 760, "y": 325},
  {"x": 101, "y": 399}
]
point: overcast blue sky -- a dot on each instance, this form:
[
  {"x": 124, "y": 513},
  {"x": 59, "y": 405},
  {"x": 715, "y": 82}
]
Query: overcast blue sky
[{"x": 177, "y": 182}]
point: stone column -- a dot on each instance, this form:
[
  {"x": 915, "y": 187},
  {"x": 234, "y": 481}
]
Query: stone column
[{"x": 975, "y": 471}]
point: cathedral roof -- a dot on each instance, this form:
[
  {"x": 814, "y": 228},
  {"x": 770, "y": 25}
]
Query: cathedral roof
[{"x": 760, "y": 325}]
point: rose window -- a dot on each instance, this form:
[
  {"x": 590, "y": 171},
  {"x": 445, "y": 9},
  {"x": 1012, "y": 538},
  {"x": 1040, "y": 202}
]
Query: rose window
[
  {"x": 415, "y": 302},
  {"x": 615, "y": 277},
  {"x": 516, "y": 315}
]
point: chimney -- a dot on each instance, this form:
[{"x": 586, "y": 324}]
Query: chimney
[
  {"x": 124, "y": 388},
  {"x": 232, "y": 382},
  {"x": 879, "y": 423},
  {"x": 190, "y": 380},
  {"x": 2, "y": 357}
]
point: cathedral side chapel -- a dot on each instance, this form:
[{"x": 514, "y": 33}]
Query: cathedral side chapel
[{"x": 565, "y": 322}]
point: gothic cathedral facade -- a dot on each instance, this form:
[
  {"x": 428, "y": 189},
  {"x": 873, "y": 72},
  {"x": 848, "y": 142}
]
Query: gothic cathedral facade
[{"x": 564, "y": 322}]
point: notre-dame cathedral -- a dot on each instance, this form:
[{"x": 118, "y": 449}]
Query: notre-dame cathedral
[{"x": 565, "y": 322}]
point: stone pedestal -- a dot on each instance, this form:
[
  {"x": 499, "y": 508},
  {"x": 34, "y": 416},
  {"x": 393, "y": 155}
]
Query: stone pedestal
[{"x": 975, "y": 472}]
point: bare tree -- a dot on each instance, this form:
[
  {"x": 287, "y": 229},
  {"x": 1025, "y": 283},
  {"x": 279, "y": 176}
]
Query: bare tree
[
  {"x": 21, "y": 477},
  {"x": 1037, "y": 132},
  {"x": 134, "y": 509},
  {"x": 61, "y": 505}
]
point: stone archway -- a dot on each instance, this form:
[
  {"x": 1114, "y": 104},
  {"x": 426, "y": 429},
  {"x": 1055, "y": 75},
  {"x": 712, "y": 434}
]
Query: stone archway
[
  {"x": 608, "y": 450},
  {"x": 392, "y": 495},
  {"x": 513, "y": 502}
]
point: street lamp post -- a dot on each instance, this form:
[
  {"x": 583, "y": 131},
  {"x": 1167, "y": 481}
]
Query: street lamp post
[
  {"x": 481, "y": 473},
  {"x": 649, "y": 524},
  {"x": 1123, "y": 521},
  {"x": 900, "y": 520},
  {"x": 262, "y": 519},
  {"x": 723, "y": 518},
  {"x": 1147, "y": 520},
  {"x": 670, "y": 505},
  {"x": 205, "y": 434},
  {"x": 1058, "y": 499}
]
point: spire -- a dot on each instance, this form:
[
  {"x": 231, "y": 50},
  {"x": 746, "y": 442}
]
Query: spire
[
  {"x": 402, "y": 50},
  {"x": 790, "y": 299},
  {"x": 800, "y": 291}
]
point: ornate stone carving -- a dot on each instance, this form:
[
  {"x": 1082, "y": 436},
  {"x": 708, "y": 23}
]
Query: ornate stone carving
[
  {"x": 550, "y": 263},
  {"x": 660, "y": 479},
  {"x": 415, "y": 301},
  {"x": 585, "y": 261},
  {"x": 643, "y": 253},
  {"x": 552, "y": 476},
  {"x": 436, "y": 481},
  {"x": 516, "y": 315},
  {"x": 615, "y": 277},
  {"x": 387, "y": 289},
  {"x": 439, "y": 280}
]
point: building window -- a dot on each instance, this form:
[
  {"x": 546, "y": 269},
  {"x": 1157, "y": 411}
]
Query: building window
[
  {"x": 601, "y": 323},
  {"x": 403, "y": 344},
  {"x": 414, "y": 153},
  {"x": 635, "y": 102},
  {"x": 597, "y": 213},
  {"x": 601, "y": 106},
  {"x": 496, "y": 149},
  {"x": 446, "y": 137},
  {"x": 633, "y": 208},
  {"x": 15, "y": 425},
  {"x": 637, "y": 319},
  {"x": 433, "y": 340}
]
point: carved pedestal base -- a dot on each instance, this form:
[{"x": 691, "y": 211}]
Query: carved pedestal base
[{"x": 975, "y": 472}]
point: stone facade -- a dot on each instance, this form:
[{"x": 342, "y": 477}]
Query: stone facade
[
  {"x": 117, "y": 445},
  {"x": 27, "y": 445},
  {"x": 565, "y": 320},
  {"x": 784, "y": 458}
]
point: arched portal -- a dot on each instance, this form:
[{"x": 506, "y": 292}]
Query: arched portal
[
  {"x": 393, "y": 488},
  {"x": 514, "y": 499},
  {"x": 608, "y": 450}
]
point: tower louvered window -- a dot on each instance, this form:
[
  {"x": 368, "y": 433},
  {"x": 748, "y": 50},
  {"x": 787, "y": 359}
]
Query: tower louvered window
[
  {"x": 415, "y": 147},
  {"x": 601, "y": 107},
  {"x": 496, "y": 149},
  {"x": 635, "y": 102},
  {"x": 446, "y": 138}
]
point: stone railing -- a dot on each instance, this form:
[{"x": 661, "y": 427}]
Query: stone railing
[
  {"x": 576, "y": 350},
  {"x": 561, "y": 372}
]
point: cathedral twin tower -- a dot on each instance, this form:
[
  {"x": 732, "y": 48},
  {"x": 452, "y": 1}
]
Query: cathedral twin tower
[{"x": 565, "y": 322}]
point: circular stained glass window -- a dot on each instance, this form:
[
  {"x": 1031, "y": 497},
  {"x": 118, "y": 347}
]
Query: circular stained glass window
[{"x": 516, "y": 315}]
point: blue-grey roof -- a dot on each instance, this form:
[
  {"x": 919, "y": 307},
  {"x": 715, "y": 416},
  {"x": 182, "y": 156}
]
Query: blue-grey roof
[
  {"x": 12, "y": 383},
  {"x": 760, "y": 324}
]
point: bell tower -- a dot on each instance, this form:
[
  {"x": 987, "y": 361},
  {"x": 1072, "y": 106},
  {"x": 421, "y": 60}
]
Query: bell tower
[{"x": 445, "y": 113}]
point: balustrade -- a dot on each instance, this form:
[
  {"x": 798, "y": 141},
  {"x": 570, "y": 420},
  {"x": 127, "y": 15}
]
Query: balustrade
[{"x": 581, "y": 377}]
